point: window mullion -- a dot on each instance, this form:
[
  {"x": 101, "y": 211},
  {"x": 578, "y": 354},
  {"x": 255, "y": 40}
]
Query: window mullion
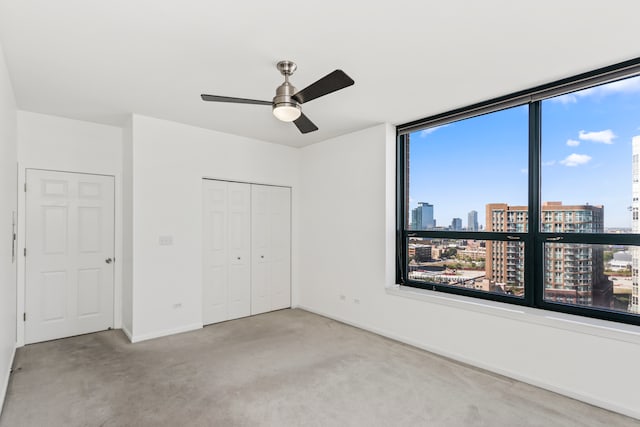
[
  {"x": 401, "y": 208},
  {"x": 533, "y": 251}
]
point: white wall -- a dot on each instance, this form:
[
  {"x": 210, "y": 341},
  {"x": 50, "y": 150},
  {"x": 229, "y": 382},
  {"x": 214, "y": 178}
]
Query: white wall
[
  {"x": 8, "y": 205},
  {"x": 127, "y": 228},
  {"x": 169, "y": 162},
  {"x": 347, "y": 244},
  {"x": 56, "y": 143}
]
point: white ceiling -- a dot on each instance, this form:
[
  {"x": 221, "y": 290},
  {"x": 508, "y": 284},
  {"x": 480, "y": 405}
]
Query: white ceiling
[{"x": 102, "y": 60}]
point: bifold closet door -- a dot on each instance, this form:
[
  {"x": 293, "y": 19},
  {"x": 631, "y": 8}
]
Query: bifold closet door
[
  {"x": 227, "y": 242},
  {"x": 270, "y": 248}
]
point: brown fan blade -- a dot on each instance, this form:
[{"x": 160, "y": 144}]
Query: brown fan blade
[
  {"x": 332, "y": 82},
  {"x": 216, "y": 98},
  {"x": 305, "y": 125}
]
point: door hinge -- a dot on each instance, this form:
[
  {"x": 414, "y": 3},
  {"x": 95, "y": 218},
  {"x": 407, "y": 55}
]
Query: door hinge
[
  {"x": 25, "y": 187},
  {"x": 24, "y": 317},
  {"x": 25, "y": 251}
]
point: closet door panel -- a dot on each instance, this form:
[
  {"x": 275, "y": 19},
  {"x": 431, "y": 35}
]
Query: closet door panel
[
  {"x": 260, "y": 239},
  {"x": 227, "y": 251},
  {"x": 239, "y": 229},
  {"x": 280, "y": 259},
  {"x": 215, "y": 255},
  {"x": 271, "y": 248}
]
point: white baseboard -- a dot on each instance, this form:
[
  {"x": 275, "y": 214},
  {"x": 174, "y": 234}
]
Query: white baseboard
[
  {"x": 128, "y": 333},
  {"x": 159, "y": 334},
  {"x": 630, "y": 412},
  {"x": 5, "y": 385}
]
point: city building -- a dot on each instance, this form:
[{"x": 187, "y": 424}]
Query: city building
[
  {"x": 422, "y": 217},
  {"x": 419, "y": 252},
  {"x": 621, "y": 261},
  {"x": 456, "y": 224},
  {"x": 574, "y": 273},
  {"x": 472, "y": 221},
  {"x": 634, "y": 303},
  {"x": 474, "y": 254}
]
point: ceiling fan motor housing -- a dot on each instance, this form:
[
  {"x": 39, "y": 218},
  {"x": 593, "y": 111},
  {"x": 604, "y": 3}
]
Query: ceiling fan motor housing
[
  {"x": 284, "y": 94},
  {"x": 285, "y": 107}
]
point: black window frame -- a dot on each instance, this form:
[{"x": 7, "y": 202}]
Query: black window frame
[{"x": 534, "y": 239}]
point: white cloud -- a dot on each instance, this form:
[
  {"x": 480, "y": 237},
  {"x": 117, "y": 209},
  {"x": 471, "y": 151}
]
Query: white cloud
[
  {"x": 622, "y": 86},
  {"x": 572, "y": 143},
  {"x": 630, "y": 85},
  {"x": 524, "y": 170},
  {"x": 572, "y": 98},
  {"x": 569, "y": 98},
  {"x": 603, "y": 136},
  {"x": 576, "y": 160},
  {"x": 427, "y": 131},
  {"x": 549, "y": 163}
]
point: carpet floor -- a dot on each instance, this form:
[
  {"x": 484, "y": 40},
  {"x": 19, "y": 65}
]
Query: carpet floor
[{"x": 286, "y": 368}]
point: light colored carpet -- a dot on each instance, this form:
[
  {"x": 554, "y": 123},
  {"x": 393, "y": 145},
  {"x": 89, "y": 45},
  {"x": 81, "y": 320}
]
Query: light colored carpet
[{"x": 287, "y": 368}]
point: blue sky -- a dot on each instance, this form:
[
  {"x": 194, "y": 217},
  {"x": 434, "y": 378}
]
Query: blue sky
[{"x": 586, "y": 156}]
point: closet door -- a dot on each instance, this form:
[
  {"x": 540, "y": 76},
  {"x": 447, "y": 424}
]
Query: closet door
[
  {"x": 239, "y": 246},
  {"x": 260, "y": 237},
  {"x": 226, "y": 260},
  {"x": 270, "y": 248}
]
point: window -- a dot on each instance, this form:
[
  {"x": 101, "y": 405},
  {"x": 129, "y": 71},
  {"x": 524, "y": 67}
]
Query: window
[{"x": 530, "y": 199}]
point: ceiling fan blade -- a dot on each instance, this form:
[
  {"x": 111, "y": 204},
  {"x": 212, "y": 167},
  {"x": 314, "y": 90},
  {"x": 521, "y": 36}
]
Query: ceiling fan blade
[
  {"x": 217, "y": 98},
  {"x": 332, "y": 82},
  {"x": 305, "y": 125}
]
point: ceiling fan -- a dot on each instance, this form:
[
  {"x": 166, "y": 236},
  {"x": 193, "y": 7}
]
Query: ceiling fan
[{"x": 286, "y": 103}]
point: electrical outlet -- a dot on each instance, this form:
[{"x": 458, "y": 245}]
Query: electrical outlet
[
  {"x": 177, "y": 305},
  {"x": 342, "y": 297},
  {"x": 165, "y": 240},
  {"x": 356, "y": 301}
]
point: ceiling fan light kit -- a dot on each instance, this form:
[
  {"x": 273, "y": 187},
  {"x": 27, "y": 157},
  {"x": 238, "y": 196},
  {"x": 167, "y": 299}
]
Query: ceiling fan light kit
[
  {"x": 286, "y": 103},
  {"x": 286, "y": 112}
]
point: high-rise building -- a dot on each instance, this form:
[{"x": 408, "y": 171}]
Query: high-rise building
[
  {"x": 422, "y": 217},
  {"x": 634, "y": 304},
  {"x": 427, "y": 216},
  {"x": 472, "y": 221},
  {"x": 456, "y": 224},
  {"x": 573, "y": 273},
  {"x": 504, "y": 264},
  {"x": 416, "y": 219}
]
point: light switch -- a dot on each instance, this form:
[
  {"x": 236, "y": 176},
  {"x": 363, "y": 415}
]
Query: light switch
[{"x": 165, "y": 240}]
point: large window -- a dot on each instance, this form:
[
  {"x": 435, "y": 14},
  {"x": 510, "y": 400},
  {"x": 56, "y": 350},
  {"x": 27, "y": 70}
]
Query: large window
[{"x": 531, "y": 198}]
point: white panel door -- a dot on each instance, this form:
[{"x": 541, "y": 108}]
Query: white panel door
[
  {"x": 260, "y": 249},
  {"x": 226, "y": 258},
  {"x": 215, "y": 252},
  {"x": 280, "y": 259},
  {"x": 271, "y": 248},
  {"x": 239, "y": 262},
  {"x": 70, "y": 252}
]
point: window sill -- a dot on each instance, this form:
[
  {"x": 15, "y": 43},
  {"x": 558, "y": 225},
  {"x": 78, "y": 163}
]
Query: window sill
[{"x": 584, "y": 325}]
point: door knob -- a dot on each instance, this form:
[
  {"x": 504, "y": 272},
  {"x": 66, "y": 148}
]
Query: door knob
[{"x": 108, "y": 260}]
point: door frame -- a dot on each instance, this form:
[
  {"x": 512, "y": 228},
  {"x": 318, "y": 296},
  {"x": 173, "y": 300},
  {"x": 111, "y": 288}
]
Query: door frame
[{"x": 21, "y": 242}]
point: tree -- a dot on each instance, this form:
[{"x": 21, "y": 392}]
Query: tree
[
  {"x": 608, "y": 256},
  {"x": 449, "y": 252}
]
